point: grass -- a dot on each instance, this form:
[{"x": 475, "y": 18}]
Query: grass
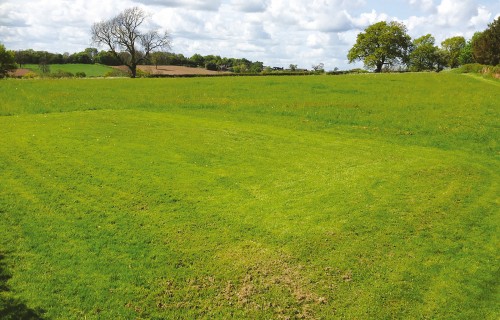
[
  {"x": 90, "y": 70},
  {"x": 367, "y": 196}
]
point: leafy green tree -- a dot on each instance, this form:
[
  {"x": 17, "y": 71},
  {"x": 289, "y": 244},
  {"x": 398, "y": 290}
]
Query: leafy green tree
[
  {"x": 211, "y": 66},
  {"x": 440, "y": 59},
  {"x": 7, "y": 61},
  {"x": 486, "y": 47},
  {"x": 107, "y": 58},
  {"x": 424, "y": 54},
  {"x": 381, "y": 44},
  {"x": 197, "y": 60},
  {"x": 256, "y": 67},
  {"x": 21, "y": 57},
  {"x": 92, "y": 53},
  {"x": 466, "y": 55},
  {"x": 453, "y": 48},
  {"x": 159, "y": 58},
  {"x": 80, "y": 57},
  {"x": 177, "y": 59}
]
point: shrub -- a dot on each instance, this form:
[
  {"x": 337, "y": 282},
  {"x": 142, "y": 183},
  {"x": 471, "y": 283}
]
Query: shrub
[
  {"x": 211, "y": 66},
  {"x": 61, "y": 74},
  {"x": 358, "y": 70},
  {"x": 471, "y": 68},
  {"x": 486, "y": 71},
  {"x": 30, "y": 75},
  {"x": 142, "y": 74},
  {"x": 116, "y": 73},
  {"x": 80, "y": 75}
]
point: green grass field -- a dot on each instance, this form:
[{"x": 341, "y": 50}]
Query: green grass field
[
  {"x": 90, "y": 70},
  {"x": 350, "y": 197}
]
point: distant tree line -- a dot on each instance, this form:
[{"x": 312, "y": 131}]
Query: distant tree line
[
  {"x": 387, "y": 46},
  {"x": 88, "y": 56},
  {"x": 93, "y": 56}
]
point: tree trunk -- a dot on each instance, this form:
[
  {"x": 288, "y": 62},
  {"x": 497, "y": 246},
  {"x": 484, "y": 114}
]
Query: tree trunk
[
  {"x": 379, "y": 67},
  {"x": 133, "y": 70}
]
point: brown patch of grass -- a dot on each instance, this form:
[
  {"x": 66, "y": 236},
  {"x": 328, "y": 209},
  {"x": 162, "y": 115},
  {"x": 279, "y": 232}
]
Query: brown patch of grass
[
  {"x": 262, "y": 283},
  {"x": 272, "y": 272},
  {"x": 18, "y": 73}
]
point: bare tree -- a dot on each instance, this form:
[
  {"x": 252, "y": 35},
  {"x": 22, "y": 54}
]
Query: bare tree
[{"x": 122, "y": 36}]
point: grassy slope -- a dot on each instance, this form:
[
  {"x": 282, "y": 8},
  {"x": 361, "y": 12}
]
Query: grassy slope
[
  {"x": 359, "y": 196},
  {"x": 91, "y": 70}
]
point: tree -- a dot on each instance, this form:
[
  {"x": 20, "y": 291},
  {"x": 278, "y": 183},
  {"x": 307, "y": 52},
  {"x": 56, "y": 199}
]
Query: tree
[
  {"x": 319, "y": 68},
  {"x": 256, "y": 67},
  {"x": 424, "y": 54},
  {"x": 44, "y": 65},
  {"x": 107, "y": 58},
  {"x": 7, "y": 61},
  {"x": 197, "y": 60},
  {"x": 381, "y": 44},
  {"x": 452, "y": 48},
  {"x": 122, "y": 34},
  {"x": 466, "y": 55},
  {"x": 159, "y": 58},
  {"x": 486, "y": 47},
  {"x": 20, "y": 57}
]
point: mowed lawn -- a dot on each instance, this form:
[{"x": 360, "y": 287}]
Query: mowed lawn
[{"x": 319, "y": 197}]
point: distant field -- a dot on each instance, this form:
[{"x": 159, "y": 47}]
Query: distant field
[
  {"x": 97, "y": 70},
  {"x": 173, "y": 70},
  {"x": 91, "y": 70},
  {"x": 351, "y": 197}
]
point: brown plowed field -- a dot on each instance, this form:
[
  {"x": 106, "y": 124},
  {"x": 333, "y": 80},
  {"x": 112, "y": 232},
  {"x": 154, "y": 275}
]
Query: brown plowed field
[{"x": 173, "y": 70}]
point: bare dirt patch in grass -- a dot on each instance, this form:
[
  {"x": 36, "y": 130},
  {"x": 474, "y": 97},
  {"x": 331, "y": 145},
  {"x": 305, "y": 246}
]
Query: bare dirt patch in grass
[{"x": 20, "y": 72}]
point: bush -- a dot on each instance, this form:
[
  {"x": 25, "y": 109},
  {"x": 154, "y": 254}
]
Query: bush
[
  {"x": 80, "y": 75},
  {"x": 211, "y": 66},
  {"x": 60, "y": 74},
  {"x": 486, "y": 71},
  {"x": 116, "y": 73},
  {"x": 471, "y": 68},
  {"x": 358, "y": 70},
  {"x": 30, "y": 75},
  {"x": 142, "y": 74}
]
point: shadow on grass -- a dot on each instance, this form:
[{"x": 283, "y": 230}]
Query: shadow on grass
[{"x": 11, "y": 308}]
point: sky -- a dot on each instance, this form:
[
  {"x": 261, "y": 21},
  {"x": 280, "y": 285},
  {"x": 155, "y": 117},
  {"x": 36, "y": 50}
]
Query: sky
[{"x": 276, "y": 32}]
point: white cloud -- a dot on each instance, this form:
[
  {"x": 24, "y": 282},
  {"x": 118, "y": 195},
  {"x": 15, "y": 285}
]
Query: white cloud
[
  {"x": 212, "y": 5},
  {"x": 424, "y": 5},
  {"x": 483, "y": 17},
  {"x": 368, "y": 18},
  {"x": 277, "y": 32},
  {"x": 454, "y": 13},
  {"x": 251, "y": 5}
]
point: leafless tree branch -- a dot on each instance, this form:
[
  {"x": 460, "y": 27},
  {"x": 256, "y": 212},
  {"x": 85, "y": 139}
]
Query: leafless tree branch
[{"x": 122, "y": 34}]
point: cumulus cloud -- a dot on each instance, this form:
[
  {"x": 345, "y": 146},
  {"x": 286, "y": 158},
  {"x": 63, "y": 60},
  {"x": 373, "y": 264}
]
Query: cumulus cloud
[
  {"x": 212, "y": 5},
  {"x": 368, "y": 18},
  {"x": 482, "y": 18},
  {"x": 277, "y": 32},
  {"x": 454, "y": 13},
  {"x": 424, "y": 5},
  {"x": 251, "y": 5}
]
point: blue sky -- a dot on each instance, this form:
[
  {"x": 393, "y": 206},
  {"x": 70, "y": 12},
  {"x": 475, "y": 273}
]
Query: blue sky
[{"x": 276, "y": 32}]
